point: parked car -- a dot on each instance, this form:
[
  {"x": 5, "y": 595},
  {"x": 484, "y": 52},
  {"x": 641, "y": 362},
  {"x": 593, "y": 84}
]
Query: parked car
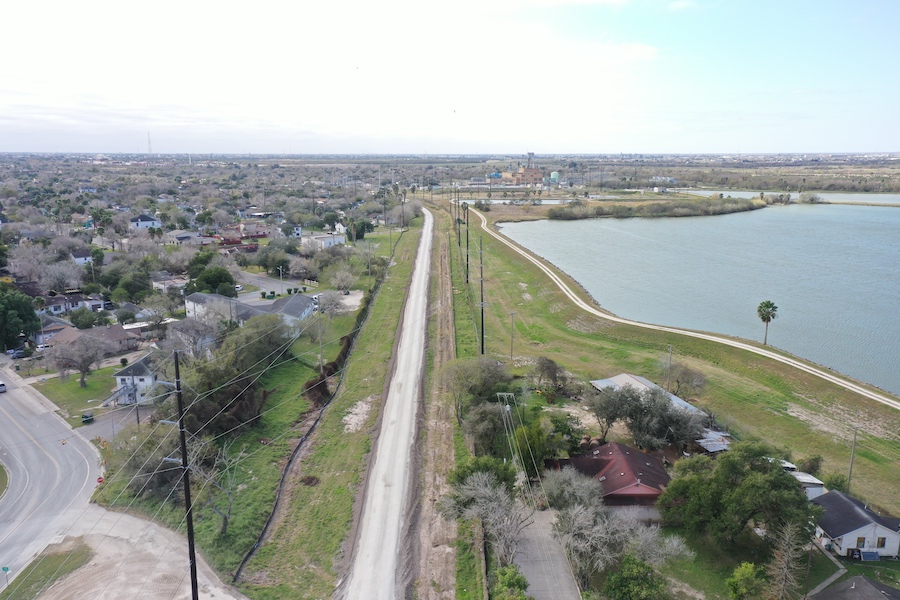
[
  {"x": 41, "y": 347},
  {"x": 17, "y": 353},
  {"x": 12, "y": 351},
  {"x": 2, "y": 387},
  {"x": 238, "y": 288}
]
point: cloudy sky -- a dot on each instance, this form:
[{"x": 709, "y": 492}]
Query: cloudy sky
[{"x": 465, "y": 76}]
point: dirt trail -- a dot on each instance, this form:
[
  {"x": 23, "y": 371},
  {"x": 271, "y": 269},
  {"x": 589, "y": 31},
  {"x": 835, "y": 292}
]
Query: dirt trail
[{"x": 434, "y": 545}]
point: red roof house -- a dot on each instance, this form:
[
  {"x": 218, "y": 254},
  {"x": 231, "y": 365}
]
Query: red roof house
[{"x": 629, "y": 477}]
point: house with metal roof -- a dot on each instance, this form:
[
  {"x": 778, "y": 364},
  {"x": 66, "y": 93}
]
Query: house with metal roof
[{"x": 853, "y": 529}]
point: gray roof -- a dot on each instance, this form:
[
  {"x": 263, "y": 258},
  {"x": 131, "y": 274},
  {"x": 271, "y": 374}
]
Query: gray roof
[
  {"x": 242, "y": 312},
  {"x": 139, "y": 368},
  {"x": 641, "y": 383},
  {"x": 858, "y": 588},
  {"x": 296, "y": 305},
  {"x": 844, "y": 514}
]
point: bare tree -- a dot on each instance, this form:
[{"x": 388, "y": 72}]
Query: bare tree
[
  {"x": 61, "y": 276},
  {"x": 330, "y": 303},
  {"x": 567, "y": 487},
  {"x": 546, "y": 368},
  {"x": 28, "y": 260},
  {"x": 482, "y": 496},
  {"x": 787, "y": 555},
  {"x": 82, "y": 355},
  {"x": 343, "y": 279},
  {"x": 686, "y": 381},
  {"x": 221, "y": 478}
]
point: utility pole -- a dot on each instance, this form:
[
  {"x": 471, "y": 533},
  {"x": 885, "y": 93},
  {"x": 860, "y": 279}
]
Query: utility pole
[
  {"x": 467, "y": 245},
  {"x": 481, "y": 254},
  {"x": 852, "y": 456},
  {"x": 669, "y": 370},
  {"x": 189, "y": 510},
  {"x": 512, "y": 334}
]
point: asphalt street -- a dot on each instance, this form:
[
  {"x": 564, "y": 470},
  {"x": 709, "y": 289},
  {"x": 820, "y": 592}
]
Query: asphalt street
[
  {"x": 52, "y": 473},
  {"x": 386, "y": 509}
]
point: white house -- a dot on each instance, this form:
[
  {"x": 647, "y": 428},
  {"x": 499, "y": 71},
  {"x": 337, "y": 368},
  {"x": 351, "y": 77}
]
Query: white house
[
  {"x": 325, "y": 240},
  {"x": 81, "y": 257},
  {"x": 851, "y": 528},
  {"x": 297, "y": 231},
  {"x": 144, "y": 222},
  {"x": 135, "y": 382}
]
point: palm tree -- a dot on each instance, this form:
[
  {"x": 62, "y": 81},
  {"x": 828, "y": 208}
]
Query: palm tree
[{"x": 767, "y": 313}]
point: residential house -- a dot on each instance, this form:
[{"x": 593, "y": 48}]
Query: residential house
[
  {"x": 120, "y": 340},
  {"x": 144, "y": 222},
  {"x": 204, "y": 307},
  {"x": 292, "y": 308},
  {"x": 165, "y": 281},
  {"x": 629, "y": 477},
  {"x": 82, "y": 257},
  {"x": 180, "y": 237},
  {"x": 851, "y": 528},
  {"x": 134, "y": 383},
  {"x": 858, "y": 587},
  {"x": 50, "y": 326},
  {"x": 324, "y": 240},
  {"x": 712, "y": 441}
]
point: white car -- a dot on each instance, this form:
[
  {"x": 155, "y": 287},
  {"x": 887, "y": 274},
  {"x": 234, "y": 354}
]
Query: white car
[
  {"x": 238, "y": 288},
  {"x": 2, "y": 387}
]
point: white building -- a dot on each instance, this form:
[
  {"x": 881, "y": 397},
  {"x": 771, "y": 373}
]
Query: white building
[
  {"x": 324, "y": 240},
  {"x": 135, "y": 382},
  {"x": 851, "y": 528},
  {"x": 144, "y": 222}
]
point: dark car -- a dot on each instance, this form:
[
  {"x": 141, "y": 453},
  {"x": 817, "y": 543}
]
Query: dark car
[
  {"x": 17, "y": 353},
  {"x": 87, "y": 417}
]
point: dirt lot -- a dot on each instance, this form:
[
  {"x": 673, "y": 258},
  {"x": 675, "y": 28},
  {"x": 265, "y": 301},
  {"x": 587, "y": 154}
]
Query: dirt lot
[{"x": 133, "y": 558}]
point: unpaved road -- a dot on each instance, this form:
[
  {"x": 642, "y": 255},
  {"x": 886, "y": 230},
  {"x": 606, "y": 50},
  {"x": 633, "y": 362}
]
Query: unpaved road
[
  {"x": 374, "y": 572},
  {"x": 133, "y": 558}
]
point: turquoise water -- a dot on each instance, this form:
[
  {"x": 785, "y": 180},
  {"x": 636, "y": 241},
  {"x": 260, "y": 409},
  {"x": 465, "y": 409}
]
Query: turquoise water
[{"x": 832, "y": 270}]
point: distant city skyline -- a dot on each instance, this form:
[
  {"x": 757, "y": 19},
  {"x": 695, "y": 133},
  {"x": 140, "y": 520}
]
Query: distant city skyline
[{"x": 495, "y": 76}]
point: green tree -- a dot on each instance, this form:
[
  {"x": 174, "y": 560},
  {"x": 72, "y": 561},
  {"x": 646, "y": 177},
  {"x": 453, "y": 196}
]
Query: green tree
[
  {"x": 721, "y": 497},
  {"x": 836, "y": 481},
  {"x": 634, "y": 580},
  {"x": 209, "y": 281},
  {"x": 97, "y": 257},
  {"x": 17, "y": 317},
  {"x": 767, "y": 312},
  {"x": 609, "y": 405},
  {"x": 83, "y": 318},
  {"x": 745, "y": 582},
  {"x": 511, "y": 584},
  {"x": 504, "y": 471}
]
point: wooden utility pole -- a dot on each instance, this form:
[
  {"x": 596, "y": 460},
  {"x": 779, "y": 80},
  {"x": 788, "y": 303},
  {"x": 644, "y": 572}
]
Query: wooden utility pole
[{"x": 189, "y": 509}]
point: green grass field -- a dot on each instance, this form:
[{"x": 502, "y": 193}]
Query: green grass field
[{"x": 72, "y": 399}]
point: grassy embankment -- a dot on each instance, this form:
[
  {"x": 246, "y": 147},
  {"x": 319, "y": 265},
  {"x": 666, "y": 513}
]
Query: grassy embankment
[
  {"x": 755, "y": 397},
  {"x": 4, "y": 480},
  {"x": 301, "y": 558},
  {"x": 51, "y": 566},
  {"x": 265, "y": 449}
]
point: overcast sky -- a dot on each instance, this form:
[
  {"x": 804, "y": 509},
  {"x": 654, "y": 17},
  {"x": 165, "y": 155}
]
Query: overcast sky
[{"x": 460, "y": 76}]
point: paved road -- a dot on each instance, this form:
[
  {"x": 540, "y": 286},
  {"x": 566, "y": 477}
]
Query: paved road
[
  {"x": 52, "y": 473},
  {"x": 374, "y": 573},
  {"x": 841, "y": 381}
]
